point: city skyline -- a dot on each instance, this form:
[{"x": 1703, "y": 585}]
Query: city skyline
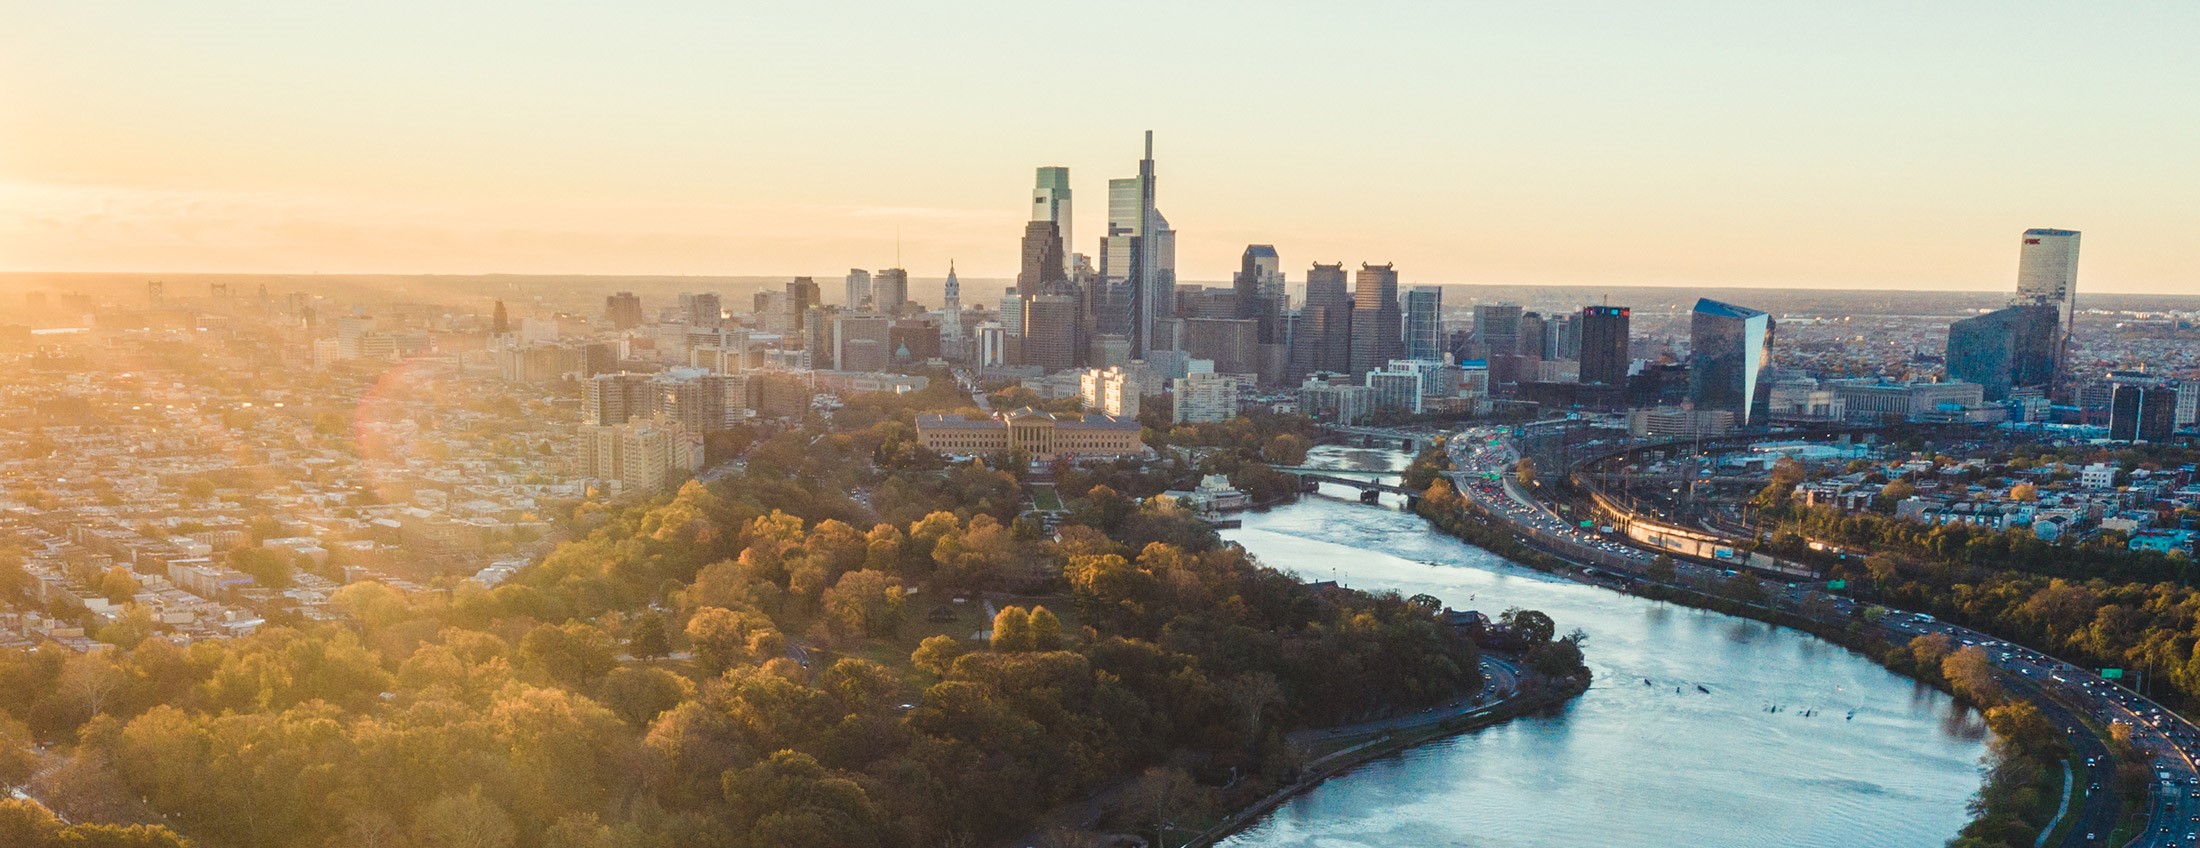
[{"x": 1899, "y": 177}]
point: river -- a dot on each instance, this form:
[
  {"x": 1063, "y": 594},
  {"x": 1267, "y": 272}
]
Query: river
[{"x": 1627, "y": 764}]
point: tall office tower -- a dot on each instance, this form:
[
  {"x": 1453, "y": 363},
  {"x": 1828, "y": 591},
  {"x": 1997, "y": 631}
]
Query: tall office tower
[
  {"x": 1050, "y": 332},
  {"x": 1050, "y": 203},
  {"x": 1730, "y": 355},
  {"x": 2047, "y": 274},
  {"x": 1259, "y": 273},
  {"x": 1327, "y": 314},
  {"x": 500, "y": 322},
  {"x": 862, "y": 342},
  {"x": 1012, "y": 313},
  {"x": 1114, "y": 300},
  {"x": 1604, "y": 357},
  {"x": 802, "y": 293},
  {"x": 1042, "y": 258},
  {"x": 1377, "y": 327},
  {"x": 951, "y": 305},
  {"x": 1137, "y": 260},
  {"x": 856, "y": 291},
  {"x": 702, "y": 309},
  {"x": 1497, "y": 328},
  {"x": 2142, "y": 413},
  {"x": 1562, "y": 337},
  {"x": 890, "y": 291},
  {"x": 1424, "y": 327},
  {"x": 817, "y": 335},
  {"x": 1533, "y": 331},
  {"x": 2006, "y": 349},
  {"x": 623, "y": 310}
]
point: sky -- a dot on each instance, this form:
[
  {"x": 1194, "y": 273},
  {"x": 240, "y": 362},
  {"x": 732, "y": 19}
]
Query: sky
[{"x": 1784, "y": 144}]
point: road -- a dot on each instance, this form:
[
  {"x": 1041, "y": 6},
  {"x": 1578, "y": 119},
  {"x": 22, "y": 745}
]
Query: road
[
  {"x": 1500, "y": 680},
  {"x": 1484, "y": 459}
]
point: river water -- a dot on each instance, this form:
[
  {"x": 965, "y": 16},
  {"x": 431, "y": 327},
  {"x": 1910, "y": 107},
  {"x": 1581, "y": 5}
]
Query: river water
[{"x": 1629, "y": 765}]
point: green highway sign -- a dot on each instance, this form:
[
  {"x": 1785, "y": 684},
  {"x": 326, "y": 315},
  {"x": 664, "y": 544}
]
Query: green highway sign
[
  {"x": 1837, "y": 584},
  {"x": 2112, "y": 674}
]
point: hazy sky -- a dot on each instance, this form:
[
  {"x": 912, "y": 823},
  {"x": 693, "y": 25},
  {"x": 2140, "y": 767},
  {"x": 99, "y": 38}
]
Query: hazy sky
[{"x": 1898, "y": 145}]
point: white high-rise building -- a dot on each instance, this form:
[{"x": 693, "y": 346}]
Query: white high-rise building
[
  {"x": 1203, "y": 396},
  {"x": 1050, "y": 202},
  {"x": 858, "y": 289},
  {"x": 2047, "y": 273},
  {"x": 1109, "y": 391}
]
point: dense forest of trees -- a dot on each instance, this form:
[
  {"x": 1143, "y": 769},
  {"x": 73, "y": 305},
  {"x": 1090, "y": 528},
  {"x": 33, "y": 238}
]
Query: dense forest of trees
[{"x": 769, "y": 661}]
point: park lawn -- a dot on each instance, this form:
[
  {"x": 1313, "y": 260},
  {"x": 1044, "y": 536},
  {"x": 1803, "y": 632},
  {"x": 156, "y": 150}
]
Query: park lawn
[{"x": 1044, "y": 498}]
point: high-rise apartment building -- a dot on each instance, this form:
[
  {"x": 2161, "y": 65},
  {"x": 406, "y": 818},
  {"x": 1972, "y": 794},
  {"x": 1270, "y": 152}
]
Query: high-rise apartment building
[
  {"x": 1259, "y": 277},
  {"x": 608, "y": 399},
  {"x": 1377, "y": 326},
  {"x": 856, "y": 290},
  {"x": 2142, "y": 413},
  {"x": 623, "y": 310},
  {"x": 890, "y": 291},
  {"x": 1109, "y": 391},
  {"x": 641, "y": 457},
  {"x": 1203, "y": 397},
  {"x": 1050, "y": 203},
  {"x": 1604, "y": 355},
  {"x": 1730, "y": 355},
  {"x": 2047, "y": 274},
  {"x": 2006, "y": 349},
  {"x": 1424, "y": 323}
]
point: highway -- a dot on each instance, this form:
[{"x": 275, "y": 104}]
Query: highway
[{"x": 1483, "y": 461}]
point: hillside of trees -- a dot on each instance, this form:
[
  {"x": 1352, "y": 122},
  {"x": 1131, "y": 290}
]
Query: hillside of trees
[{"x": 768, "y": 661}]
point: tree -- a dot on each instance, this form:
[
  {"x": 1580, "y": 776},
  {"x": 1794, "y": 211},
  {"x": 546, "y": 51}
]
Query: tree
[
  {"x": 1525, "y": 470},
  {"x": 1160, "y": 799},
  {"x": 2024, "y": 493},
  {"x": 1046, "y": 630},
  {"x": 1663, "y": 569},
  {"x": 865, "y": 603},
  {"x": 1971, "y": 674},
  {"x": 1012, "y": 630},
  {"x": 936, "y": 654},
  {"x": 463, "y": 821},
  {"x": 640, "y": 694},
  {"x": 720, "y": 637},
  {"x": 1533, "y": 627},
  {"x": 649, "y": 640}
]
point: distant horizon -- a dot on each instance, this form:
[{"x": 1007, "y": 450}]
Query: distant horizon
[
  {"x": 1727, "y": 144},
  {"x": 914, "y": 277}
]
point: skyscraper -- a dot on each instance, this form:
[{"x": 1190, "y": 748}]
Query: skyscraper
[
  {"x": 1497, "y": 328},
  {"x": 2142, "y": 413},
  {"x": 2047, "y": 274},
  {"x": 2005, "y": 349},
  {"x": 890, "y": 291},
  {"x": 1050, "y": 332},
  {"x": 802, "y": 295},
  {"x": 1050, "y": 202},
  {"x": 1377, "y": 327},
  {"x": 1259, "y": 273},
  {"x": 1042, "y": 258},
  {"x": 1137, "y": 260},
  {"x": 1604, "y": 355},
  {"x": 1424, "y": 323},
  {"x": 1730, "y": 351},
  {"x": 1327, "y": 316},
  {"x": 857, "y": 293}
]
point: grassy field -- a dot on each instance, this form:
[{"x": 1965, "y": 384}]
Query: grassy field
[{"x": 1044, "y": 499}]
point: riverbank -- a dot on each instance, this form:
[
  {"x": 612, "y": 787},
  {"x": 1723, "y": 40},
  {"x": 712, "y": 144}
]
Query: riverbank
[{"x": 1390, "y": 742}]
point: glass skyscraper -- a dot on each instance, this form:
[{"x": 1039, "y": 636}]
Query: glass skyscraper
[
  {"x": 2047, "y": 275},
  {"x": 2005, "y": 349},
  {"x": 1424, "y": 323},
  {"x": 1730, "y": 351}
]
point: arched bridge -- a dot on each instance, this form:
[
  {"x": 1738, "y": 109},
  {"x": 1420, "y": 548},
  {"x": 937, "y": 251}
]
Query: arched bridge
[{"x": 1369, "y": 483}]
